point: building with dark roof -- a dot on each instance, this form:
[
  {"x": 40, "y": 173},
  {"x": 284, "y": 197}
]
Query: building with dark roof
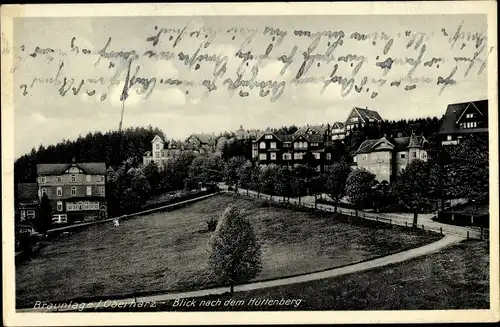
[
  {"x": 387, "y": 157},
  {"x": 270, "y": 148},
  {"x": 77, "y": 191},
  {"x": 201, "y": 142},
  {"x": 463, "y": 119},
  {"x": 360, "y": 116}
]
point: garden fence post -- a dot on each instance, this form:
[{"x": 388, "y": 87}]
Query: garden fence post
[
  {"x": 481, "y": 232},
  {"x": 467, "y": 234},
  {"x": 441, "y": 230},
  {"x": 406, "y": 224}
]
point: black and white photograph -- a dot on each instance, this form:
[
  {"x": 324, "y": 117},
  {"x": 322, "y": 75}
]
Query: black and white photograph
[{"x": 326, "y": 160}]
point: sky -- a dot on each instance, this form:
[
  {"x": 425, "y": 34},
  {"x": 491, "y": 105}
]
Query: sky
[{"x": 43, "y": 116}]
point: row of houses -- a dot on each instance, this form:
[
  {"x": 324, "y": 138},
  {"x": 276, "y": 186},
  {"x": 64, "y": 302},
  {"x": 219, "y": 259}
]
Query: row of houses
[
  {"x": 77, "y": 191},
  {"x": 385, "y": 157}
]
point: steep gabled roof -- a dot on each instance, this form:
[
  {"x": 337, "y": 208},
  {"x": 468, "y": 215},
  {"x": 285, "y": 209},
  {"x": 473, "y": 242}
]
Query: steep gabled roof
[
  {"x": 338, "y": 125},
  {"x": 27, "y": 191},
  {"x": 157, "y": 137},
  {"x": 367, "y": 114},
  {"x": 455, "y": 110},
  {"x": 93, "y": 168}
]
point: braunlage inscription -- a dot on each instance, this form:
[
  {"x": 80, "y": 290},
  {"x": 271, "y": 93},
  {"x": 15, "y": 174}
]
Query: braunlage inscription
[
  {"x": 236, "y": 60},
  {"x": 75, "y": 306}
]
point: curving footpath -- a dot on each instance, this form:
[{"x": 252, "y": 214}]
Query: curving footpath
[{"x": 353, "y": 268}]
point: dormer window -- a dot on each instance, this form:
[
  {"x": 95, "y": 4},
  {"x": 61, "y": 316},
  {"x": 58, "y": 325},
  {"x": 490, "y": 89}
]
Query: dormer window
[
  {"x": 269, "y": 137},
  {"x": 471, "y": 115},
  {"x": 354, "y": 119}
]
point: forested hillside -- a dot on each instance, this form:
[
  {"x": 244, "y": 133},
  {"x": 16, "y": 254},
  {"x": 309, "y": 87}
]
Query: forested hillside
[{"x": 112, "y": 148}]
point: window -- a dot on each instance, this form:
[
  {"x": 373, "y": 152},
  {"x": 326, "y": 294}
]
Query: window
[
  {"x": 73, "y": 190},
  {"x": 157, "y": 154},
  {"x": 59, "y": 179},
  {"x": 354, "y": 119},
  {"x": 286, "y": 145},
  {"x": 318, "y": 169},
  {"x": 88, "y": 178},
  {"x": 73, "y": 178},
  {"x": 355, "y": 159},
  {"x": 86, "y": 205},
  {"x": 269, "y": 137},
  {"x": 328, "y": 156},
  {"x": 470, "y": 115},
  {"x": 255, "y": 153},
  {"x": 298, "y": 156},
  {"x": 317, "y": 155},
  {"x": 101, "y": 178},
  {"x": 414, "y": 155},
  {"x": 262, "y": 145},
  {"x": 59, "y": 191},
  {"x": 273, "y": 145},
  {"x": 31, "y": 214},
  {"x": 448, "y": 137},
  {"x": 157, "y": 146},
  {"x": 44, "y": 191},
  {"x": 102, "y": 190},
  {"x": 273, "y": 156},
  {"x": 162, "y": 154},
  {"x": 79, "y": 206},
  {"x": 89, "y": 190},
  {"x": 423, "y": 155},
  {"x": 59, "y": 206},
  {"x": 402, "y": 156},
  {"x": 262, "y": 156},
  {"x": 23, "y": 214},
  {"x": 43, "y": 179},
  {"x": 365, "y": 157},
  {"x": 314, "y": 144},
  {"x": 287, "y": 156}
]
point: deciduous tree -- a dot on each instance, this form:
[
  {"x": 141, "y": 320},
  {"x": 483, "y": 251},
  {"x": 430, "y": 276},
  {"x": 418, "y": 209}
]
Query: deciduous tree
[
  {"x": 412, "y": 188},
  {"x": 336, "y": 180},
  {"x": 359, "y": 187},
  {"x": 234, "y": 253}
]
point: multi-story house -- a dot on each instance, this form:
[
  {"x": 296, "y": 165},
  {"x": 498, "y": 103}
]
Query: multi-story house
[
  {"x": 463, "y": 119},
  {"x": 27, "y": 201},
  {"x": 359, "y": 116},
  {"x": 77, "y": 191},
  {"x": 159, "y": 154},
  {"x": 289, "y": 150},
  {"x": 387, "y": 157},
  {"x": 201, "y": 142},
  {"x": 337, "y": 131}
]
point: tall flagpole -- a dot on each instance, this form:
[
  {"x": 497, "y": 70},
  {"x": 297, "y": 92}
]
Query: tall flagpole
[{"x": 121, "y": 117}]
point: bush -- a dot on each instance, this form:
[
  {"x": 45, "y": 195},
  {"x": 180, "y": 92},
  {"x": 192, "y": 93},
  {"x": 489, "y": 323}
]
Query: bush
[{"x": 211, "y": 224}]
